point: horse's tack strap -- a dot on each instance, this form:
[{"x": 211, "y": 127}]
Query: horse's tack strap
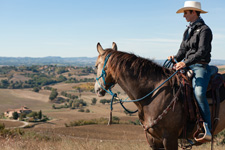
[{"x": 169, "y": 107}]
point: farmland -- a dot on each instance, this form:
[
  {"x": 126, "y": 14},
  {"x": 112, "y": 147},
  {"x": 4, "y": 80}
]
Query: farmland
[{"x": 53, "y": 134}]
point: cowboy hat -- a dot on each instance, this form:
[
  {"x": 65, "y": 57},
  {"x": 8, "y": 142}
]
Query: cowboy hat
[{"x": 191, "y": 5}]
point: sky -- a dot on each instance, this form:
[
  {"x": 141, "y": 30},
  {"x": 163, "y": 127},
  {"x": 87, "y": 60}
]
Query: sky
[{"x": 72, "y": 28}]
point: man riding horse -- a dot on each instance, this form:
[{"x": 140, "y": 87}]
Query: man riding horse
[
  {"x": 195, "y": 49},
  {"x": 160, "y": 103}
]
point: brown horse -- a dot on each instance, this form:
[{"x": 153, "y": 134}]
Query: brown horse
[{"x": 137, "y": 77}]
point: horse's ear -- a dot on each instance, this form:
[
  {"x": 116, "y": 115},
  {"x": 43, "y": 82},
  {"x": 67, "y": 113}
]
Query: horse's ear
[
  {"x": 114, "y": 46},
  {"x": 100, "y": 49}
]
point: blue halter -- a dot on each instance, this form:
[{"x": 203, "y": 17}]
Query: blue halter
[{"x": 103, "y": 75}]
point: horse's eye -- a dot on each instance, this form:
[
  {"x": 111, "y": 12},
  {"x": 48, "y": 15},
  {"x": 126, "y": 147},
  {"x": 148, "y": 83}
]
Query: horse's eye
[{"x": 96, "y": 66}]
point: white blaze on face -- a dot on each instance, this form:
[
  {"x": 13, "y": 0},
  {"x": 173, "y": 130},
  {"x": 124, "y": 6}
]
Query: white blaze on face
[{"x": 98, "y": 89}]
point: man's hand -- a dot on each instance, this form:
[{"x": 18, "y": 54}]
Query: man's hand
[
  {"x": 171, "y": 58},
  {"x": 180, "y": 65}
]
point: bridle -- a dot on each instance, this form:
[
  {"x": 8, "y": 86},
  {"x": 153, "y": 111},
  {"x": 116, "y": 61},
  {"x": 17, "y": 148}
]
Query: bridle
[{"x": 103, "y": 76}]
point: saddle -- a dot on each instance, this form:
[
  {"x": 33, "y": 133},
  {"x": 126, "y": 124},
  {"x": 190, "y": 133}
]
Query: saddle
[{"x": 191, "y": 107}]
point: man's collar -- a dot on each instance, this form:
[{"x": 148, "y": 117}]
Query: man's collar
[{"x": 196, "y": 21}]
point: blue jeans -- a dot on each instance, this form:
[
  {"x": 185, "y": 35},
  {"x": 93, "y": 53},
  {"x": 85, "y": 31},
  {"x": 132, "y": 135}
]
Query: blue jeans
[{"x": 200, "y": 83}]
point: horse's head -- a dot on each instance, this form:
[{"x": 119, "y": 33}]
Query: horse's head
[{"x": 104, "y": 79}]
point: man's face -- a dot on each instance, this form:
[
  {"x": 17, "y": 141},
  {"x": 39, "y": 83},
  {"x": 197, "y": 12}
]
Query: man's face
[{"x": 190, "y": 17}]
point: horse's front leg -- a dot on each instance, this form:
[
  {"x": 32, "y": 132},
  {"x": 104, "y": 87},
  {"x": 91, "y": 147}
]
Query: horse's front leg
[
  {"x": 154, "y": 143},
  {"x": 170, "y": 143}
]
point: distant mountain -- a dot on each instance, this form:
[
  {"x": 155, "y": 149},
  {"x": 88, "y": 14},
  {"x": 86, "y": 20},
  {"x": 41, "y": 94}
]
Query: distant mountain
[
  {"x": 28, "y": 61},
  {"x": 74, "y": 61}
]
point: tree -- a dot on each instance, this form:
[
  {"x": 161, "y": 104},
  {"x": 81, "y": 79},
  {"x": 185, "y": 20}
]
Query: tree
[
  {"x": 4, "y": 83},
  {"x": 36, "y": 89},
  {"x": 53, "y": 94},
  {"x": 40, "y": 114},
  {"x": 103, "y": 101},
  {"x": 32, "y": 114},
  {"x": 22, "y": 115},
  {"x": 93, "y": 101},
  {"x": 15, "y": 115},
  {"x": 53, "y": 106}
]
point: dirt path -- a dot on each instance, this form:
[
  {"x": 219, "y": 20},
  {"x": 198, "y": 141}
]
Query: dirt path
[{"x": 5, "y": 121}]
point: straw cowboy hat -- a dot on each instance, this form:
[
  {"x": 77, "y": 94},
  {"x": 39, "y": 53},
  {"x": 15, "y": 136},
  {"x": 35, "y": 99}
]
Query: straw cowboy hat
[{"x": 191, "y": 5}]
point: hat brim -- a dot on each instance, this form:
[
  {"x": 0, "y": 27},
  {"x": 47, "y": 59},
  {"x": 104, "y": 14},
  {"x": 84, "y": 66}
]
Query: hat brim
[{"x": 190, "y": 8}]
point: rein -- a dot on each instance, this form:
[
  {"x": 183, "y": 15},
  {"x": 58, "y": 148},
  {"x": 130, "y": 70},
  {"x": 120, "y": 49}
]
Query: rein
[{"x": 166, "y": 64}]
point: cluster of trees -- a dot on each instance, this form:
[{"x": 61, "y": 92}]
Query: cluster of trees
[
  {"x": 33, "y": 116},
  {"x": 72, "y": 104},
  {"x": 6, "y": 69},
  {"x": 61, "y": 70},
  {"x": 36, "y": 81},
  {"x": 74, "y": 80},
  {"x": 71, "y": 96},
  {"x": 104, "y": 101},
  {"x": 39, "y": 77},
  {"x": 86, "y": 71}
]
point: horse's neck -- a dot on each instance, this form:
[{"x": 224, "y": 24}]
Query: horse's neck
[{"x": 137, "y": 88}]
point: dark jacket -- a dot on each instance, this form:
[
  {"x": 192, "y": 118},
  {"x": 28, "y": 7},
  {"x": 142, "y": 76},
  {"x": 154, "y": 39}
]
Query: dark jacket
[{"x": 196, "y": 48}]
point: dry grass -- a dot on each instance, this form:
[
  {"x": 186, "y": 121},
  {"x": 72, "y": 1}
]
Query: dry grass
[
  {"x": 43, "y": 95},
  {"x": 85, "y": 86},
  {"x": 71, "y": 144},
  {"x": 19, "y": 77},
  {"x": 12, "y": 99}
]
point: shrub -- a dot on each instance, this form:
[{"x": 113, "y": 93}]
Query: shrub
[
  {"x": 136, "y": 122},
  {"x": 36, "y": 89},
  {"x": 116, "y": 119},
  {"x": 2, "y": 126},
  {"x": 81, "y": 110},
  {"x": 92, "y": 121},
  {"x": 53, "y": 106},
  {"x": 32, "y": 114},
  {"x": 9, "y": 132},
  {"x": 47, "y": 88},
  {"x": 93, "y": 101},
  {"x": 103, "y": 101}
]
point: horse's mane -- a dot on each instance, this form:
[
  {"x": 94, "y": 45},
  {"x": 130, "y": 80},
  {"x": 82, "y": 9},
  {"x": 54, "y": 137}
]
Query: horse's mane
[{"x": 137, "y": 66}]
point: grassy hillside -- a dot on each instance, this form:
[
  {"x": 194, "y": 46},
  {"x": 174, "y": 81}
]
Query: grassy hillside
[
  {"x": 11, "y": 99},
  {"x": 54, "y": 135}
]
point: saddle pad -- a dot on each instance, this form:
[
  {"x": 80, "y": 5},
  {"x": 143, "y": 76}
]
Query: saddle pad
[{"x": 213, "y": 70}]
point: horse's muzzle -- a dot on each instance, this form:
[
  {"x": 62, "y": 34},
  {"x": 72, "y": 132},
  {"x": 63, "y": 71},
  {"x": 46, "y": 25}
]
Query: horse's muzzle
[{"x": 99, "y": 91}]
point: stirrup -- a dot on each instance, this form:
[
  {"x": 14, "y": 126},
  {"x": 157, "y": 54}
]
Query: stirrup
[{"x": 204, "y": 136}]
